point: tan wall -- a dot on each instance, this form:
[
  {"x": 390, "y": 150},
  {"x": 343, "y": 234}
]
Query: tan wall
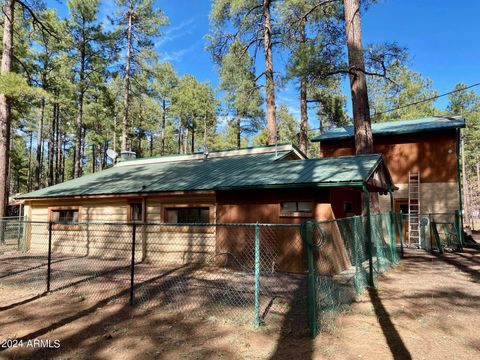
[
  {"x": 434, "y": 197},
  {"x": 189, "y": 244},
  {"x": 433, "y": 154},
  {"x": 105, "y": 240},
  {"x": 102, "y": 238}
]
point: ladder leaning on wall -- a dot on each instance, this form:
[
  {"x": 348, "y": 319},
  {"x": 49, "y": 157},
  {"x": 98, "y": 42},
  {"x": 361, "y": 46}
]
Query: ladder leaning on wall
[{"x": 414, "y": 209}]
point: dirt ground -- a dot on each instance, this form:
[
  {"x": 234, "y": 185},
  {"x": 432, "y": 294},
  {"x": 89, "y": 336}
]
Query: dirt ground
[{"x": 427, "y": 307}]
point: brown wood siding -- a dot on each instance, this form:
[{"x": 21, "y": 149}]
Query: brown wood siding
[
  {"x": 282, "y": 248},
  {"x": 432, "y": 153},
  {"x": 339, "y": 196}
]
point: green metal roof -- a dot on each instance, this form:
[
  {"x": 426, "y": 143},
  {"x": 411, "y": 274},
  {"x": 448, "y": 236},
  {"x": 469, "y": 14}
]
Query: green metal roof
[
  {"x": 397, "y": 127},
  {"x": 246, "y": 171}
]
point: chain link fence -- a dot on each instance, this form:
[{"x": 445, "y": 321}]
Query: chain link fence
[
  {"x": 344, "y": 256},
  {"x": 241, "y": 273},
  {"x": 444, "y": 230}
]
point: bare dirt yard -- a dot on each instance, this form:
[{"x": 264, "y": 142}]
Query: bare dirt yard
[{"x": 427, "y": 307}]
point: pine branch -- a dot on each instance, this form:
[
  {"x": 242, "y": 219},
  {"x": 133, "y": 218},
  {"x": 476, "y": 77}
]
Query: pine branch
[{"x": 36, "y": 20}]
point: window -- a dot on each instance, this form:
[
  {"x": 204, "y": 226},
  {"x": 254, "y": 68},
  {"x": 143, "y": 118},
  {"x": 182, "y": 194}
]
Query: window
[
  {"x": 296, "y": 208},
  {"x": 136, "y": 212},
  {"x": 70, "y": 215},
  {"x": 65, "y": 218},
  {"x": 187, "y": 215},
  {"x": 347, "y": 207}
]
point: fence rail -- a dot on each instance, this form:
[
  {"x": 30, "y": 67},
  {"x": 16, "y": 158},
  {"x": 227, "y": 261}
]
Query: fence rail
[{"x": 246, "y": 273}]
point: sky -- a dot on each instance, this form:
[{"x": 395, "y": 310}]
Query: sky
[{"x": 441, "y": 39}]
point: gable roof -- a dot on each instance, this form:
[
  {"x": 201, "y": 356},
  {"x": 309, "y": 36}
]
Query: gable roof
[
  {"x": 397, "y": 127},
  {"x": 260, "y": 170}
]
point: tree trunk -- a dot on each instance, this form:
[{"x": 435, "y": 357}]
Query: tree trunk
[
  {"x": 82, "y": 153},
  {"x": 478, "y": 175},
  {"x": 38, "y": 163},
  {"x": 79, "y": 122},
  {"x": 126, "y": 99},
  {"x": 192, "y": 148},
  {"x": 303, "y": 143},
  {"x": 151, "y": 143},
  {"x": 5, "y": 68},
  {"x": 43, "y": 179},
  {"x": 104, "y": 154},
  {"x": 238, "y": 123},
  {"x": 179, "y": 140},
  {"x": 205, "y": 134},
  {"x": 51, "y": 146},
  {"x": 303, "y": 116},
  {"x": 270, "y": 84},
  {"x": 58, "y": 159},
  {"x": 164, "y": 118},
  {"x": 78, "y": 138},
  {"x": 63, "y": 157},
  {"x": 98, "y": 157},
  {"x": 93, "y": 158},
  {"x": 185, "y": 140},
  {"x": 358, "y": 82},
  {"x": 29, "y": 174}
]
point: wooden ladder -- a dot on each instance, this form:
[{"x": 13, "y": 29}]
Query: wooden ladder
[{"x": 414, "y": 209}]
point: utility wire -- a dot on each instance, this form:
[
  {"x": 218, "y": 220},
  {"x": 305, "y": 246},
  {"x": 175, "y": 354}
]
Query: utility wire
[
  {"x": 421, "y": 101},
  {"x": 425, "y": 100}
]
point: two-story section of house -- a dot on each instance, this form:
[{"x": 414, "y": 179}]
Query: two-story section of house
[{"x": 422, "y": 156}]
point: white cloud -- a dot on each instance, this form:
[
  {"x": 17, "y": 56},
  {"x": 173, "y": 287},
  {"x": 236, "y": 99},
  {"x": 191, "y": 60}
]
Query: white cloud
[
  {"x": 177, "y": 55},
  {"x": 185, "y": 28}
]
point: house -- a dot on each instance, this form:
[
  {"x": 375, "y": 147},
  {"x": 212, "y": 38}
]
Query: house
[
  {"x": 271, "y": 185},
  {"x": 422, "y": 156}
]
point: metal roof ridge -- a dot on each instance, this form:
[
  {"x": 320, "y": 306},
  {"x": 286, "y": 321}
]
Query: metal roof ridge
[{"x": 213, "y": 155}]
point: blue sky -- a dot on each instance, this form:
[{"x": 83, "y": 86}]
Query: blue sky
[{"x": 441, "y": 39}]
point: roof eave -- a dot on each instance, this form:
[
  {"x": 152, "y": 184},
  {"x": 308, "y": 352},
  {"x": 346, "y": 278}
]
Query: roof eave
[{"x": 356, "y": 183}]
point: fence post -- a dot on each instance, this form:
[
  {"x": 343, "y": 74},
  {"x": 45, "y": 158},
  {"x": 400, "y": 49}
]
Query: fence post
[
  {"x": 392, "y": 237},
  {"x": 19, "y": 230},
  {"x": 311, "y": 298},
  {"x": 368, "y": 236},
  {"x": 49, "y": 261},
  {"x": 430, "y": 228},
  {"x": 2, "y": 235},
  {"x": 400, "y": 229},
  {"x": 257, "y": 275},
  {"x": 424, "y": 234},
  {"x": 459, "y": 229},
  {"x": 132, "y": 265},
  {"x": 393, "y": 240}
]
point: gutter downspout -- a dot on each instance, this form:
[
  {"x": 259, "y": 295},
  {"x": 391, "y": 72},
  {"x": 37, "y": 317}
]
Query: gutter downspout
[{"x": 459, "y": 181}]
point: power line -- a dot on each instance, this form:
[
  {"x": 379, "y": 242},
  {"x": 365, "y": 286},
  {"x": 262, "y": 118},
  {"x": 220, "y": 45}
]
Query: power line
[
  {"x": 425, "y": 100},
  {"x": 421, "y": 101}
]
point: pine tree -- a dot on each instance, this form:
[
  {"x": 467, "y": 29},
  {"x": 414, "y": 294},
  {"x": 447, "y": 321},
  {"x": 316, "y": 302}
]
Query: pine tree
[
  {"x": 254, "y": 27},
  {"x": 242, "y": 96},
  {"x": 89, "y": 47},
  {"x": 138, "y": 24},
  {"x": 311, "y": 34},
  {"x": 163, "y": 84}
]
